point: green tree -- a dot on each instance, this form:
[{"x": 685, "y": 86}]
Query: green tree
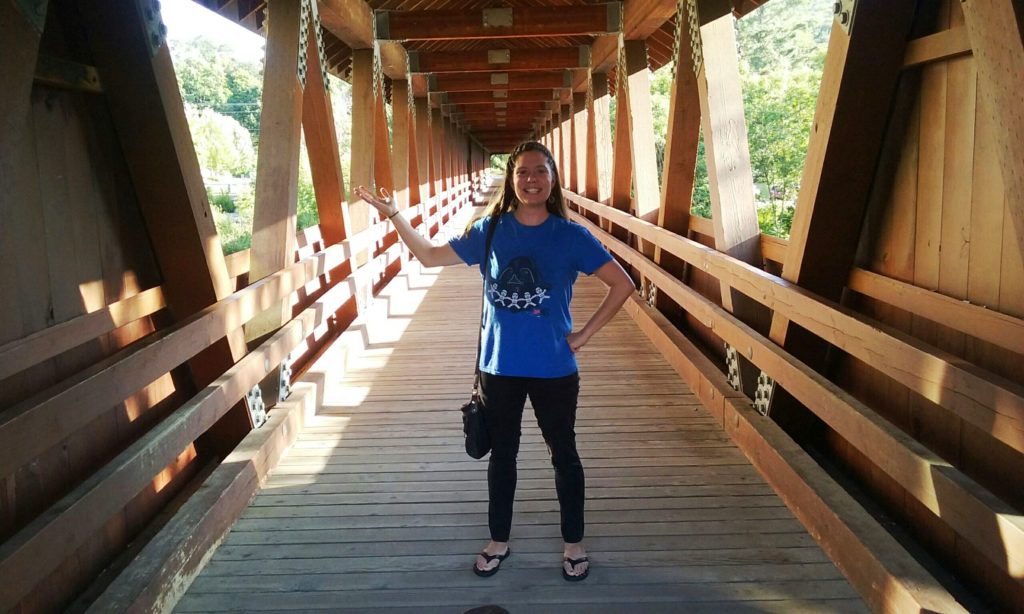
[
  {"x": 222, "y": 144},
  {"x": 209, "y": 77}
]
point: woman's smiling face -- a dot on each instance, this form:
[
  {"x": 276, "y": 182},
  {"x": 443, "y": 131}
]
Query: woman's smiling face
[{"x": 532, "y": 180}]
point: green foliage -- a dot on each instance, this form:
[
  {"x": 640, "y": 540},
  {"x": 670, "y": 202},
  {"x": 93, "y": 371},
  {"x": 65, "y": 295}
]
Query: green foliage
[
  {"x": 235, "y": 227},
  {"x": 222, "y": 144},
  {"x": 499, "y": 161},
  {"x": 223, "y": 201},
  {"x": 211, "y": 78},
  {"x": 782, "y": 48}
]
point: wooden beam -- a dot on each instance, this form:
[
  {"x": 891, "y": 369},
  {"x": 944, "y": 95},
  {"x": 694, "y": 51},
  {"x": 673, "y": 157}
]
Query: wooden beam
[
  {"x": 854, "y": 103},
  {"x": 514, "y": 22},
  {"x": 499, "y": 59},
  {"x": 975, "y": 320},
  {"x": 640, "y": 19},
  {"x": 401, "y": 129},
  {"x": 33, "y": 349},
  {"x": 277, "y": 167},
  {"x": 145, "y": 104},
  {"x": 989, "y": 524},
  {"x": 580, "y": 141},
  {"x": 469, "y": 82},
  {"x": 490, "y": 97},
  {"x": 730, "y": 178},
  {"x": 416, "y": 195},
  {"x": 646, "y": 196},
  {"x": 39, "y": 547},
  {"x": 496, "y": 106},
  {"x": 943, "y": 45},
  {"x": 422, "y": 120},
  {"x": 161, "y": 572},
  {"x": 679, "y": 166},
  {"x": 437, "y": 153},
  {"x": 382, "y": 175},
  {"x": 996, "y": 29},
  {"x": 599, "y": 139},
  {"x": 363, "y": 113},
  {"x": 352, "y": 22},
  {"x": 322, "y": 147},
  {"x": 622, "y": 156},
  {"x": 994, "y": 406}
]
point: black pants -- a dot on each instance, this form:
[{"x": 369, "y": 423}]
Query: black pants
[{"x": 554, "y": 405}]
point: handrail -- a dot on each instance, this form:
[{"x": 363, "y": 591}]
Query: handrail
[
  {"x": 20, "y": 354},
  {"x": 974, "y": 512},
  {"x": 42, "y": 421},
  {"x": 985, "y": 400},
  {"x": 43, "y": 544}
]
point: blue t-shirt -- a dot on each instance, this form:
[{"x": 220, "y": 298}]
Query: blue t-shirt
[{"x": 528, "y": 288}]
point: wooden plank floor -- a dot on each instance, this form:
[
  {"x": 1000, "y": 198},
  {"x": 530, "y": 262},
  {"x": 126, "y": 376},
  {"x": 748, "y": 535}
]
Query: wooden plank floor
[{"x": 376, "y": 508}]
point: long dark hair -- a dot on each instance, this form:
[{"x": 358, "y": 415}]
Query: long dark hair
[{"x": 505, "y": 200}]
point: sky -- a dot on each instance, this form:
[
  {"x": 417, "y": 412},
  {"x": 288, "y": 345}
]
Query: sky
[{"x": 186, "y": 20}]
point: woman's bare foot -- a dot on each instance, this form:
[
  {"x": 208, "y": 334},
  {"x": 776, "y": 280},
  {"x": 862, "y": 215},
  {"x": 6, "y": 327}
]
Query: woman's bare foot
[
  {"x": 575, "y": 564},
  {"x": 496, "y": 553}
]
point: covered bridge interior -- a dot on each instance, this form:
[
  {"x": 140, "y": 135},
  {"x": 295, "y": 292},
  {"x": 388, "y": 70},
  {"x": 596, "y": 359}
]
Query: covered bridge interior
[{"x": 870, "y": 368}]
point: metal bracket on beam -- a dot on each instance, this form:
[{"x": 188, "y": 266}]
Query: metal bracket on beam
[
  {"x": 844, "y": 11},
  {"x": 500, "y": 93},
  {"x": 764, "y": 394},
  {"x": 497, "y": 17},
  {"x": 414, "y": 61},
  {"x": 614, "y": 17},
  {"x": 499, "y": 78},
  {"x": 35, "y": 13},
  {"x": 257, "y": 410},
  {"x": 431, "y": 83},
  {"x": 381, "y": 25},
  {"x": 584, "y": 56},
  {"x": 732, "y": 366},
  {"x": 156, "y": 31},
  {"x": 285, "y": 381},
  {"x": 567, "y": 78},
  {"x": 499, "y": 56}
]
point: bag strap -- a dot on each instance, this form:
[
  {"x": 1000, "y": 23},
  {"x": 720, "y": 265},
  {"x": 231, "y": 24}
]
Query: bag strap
[{"x": 486, "y": 266}]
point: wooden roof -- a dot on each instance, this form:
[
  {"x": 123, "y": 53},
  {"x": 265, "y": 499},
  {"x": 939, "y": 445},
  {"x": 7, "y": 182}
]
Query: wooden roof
[{"x": 415, "y": 35}]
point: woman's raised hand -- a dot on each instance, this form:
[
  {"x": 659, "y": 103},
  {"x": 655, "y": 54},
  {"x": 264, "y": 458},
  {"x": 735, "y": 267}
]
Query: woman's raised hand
[{"x": 383, "y": 203}]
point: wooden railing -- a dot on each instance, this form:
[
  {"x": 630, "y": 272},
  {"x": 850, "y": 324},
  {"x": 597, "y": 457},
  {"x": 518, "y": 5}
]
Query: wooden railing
[
  {"x": 43, "y": 421},
  {"x": 996, "y": 406}
]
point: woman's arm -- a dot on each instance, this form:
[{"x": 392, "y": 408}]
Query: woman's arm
[
  {"x": 620, "y": 286},
  {"x": 426, "y": 252}
]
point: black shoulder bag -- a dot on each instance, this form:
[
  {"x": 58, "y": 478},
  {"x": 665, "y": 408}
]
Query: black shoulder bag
[{"x": 478, "y": 440}]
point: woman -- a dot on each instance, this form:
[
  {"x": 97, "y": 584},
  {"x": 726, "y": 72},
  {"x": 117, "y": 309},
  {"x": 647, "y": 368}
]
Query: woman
[{"x": 528, "y": 345}]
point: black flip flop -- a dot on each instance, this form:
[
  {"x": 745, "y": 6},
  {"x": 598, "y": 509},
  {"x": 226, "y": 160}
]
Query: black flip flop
[
  {"x": 573, "y": 563},
  {"x": 486, "y": 573}
]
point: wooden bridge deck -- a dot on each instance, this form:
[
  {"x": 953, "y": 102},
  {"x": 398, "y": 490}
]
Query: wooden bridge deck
[{"x": 376, "y": 507}]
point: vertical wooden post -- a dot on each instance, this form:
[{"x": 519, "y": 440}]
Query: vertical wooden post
[
  {"x": 996, "y": 29},
  {"x": 277, "y": 168},
  {"x": 400, "y": 141},
  {"x": 601, "y": 128},
  {"x": 415, "y": 185},
  {"x": 422, "y": 120},
  {"x": 437, "y": 152},
  {"x": 679, "y": 169},
  {"x": 730, "y": 177},
  {"x": 579, "y": 142},
  {"x": 382, "y": 175},
  {"x": 565, "y": 127},
  {"x": 622, "y": 157},
  {"x": 363, "y": 113}
]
